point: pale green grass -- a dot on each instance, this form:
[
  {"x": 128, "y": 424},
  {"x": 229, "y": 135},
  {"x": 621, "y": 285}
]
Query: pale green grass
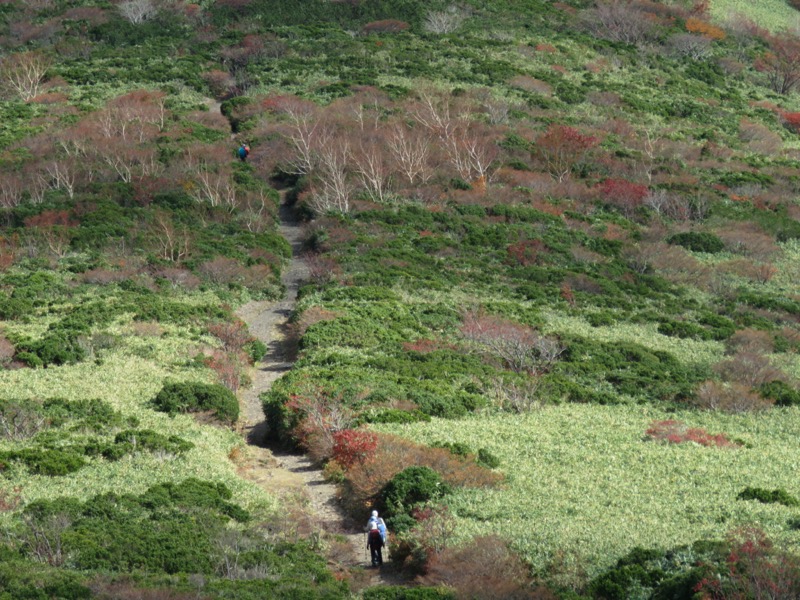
[
  {"x": 128, "y": 383},
  {"x": 688, "y": 351},
  {"x": 774, "y": 15},
  {"x": 583, "y": 480}
]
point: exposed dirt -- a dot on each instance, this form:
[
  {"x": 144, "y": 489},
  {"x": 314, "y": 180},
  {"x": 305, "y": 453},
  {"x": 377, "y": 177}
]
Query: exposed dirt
[{"x": 293, "y": 478}]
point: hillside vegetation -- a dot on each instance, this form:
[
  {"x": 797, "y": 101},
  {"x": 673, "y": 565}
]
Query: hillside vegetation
[{"x": 551, "y": 325}]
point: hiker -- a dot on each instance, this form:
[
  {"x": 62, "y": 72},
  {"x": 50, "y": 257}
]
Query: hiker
[
  {"x": 375, "y": 544},
  {"x": 374, "y": 518},
  {"x": 243, "y": 152}
]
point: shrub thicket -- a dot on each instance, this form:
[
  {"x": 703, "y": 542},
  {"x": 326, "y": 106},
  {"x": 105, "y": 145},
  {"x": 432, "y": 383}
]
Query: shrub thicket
[{"x": 198, "y": 397}]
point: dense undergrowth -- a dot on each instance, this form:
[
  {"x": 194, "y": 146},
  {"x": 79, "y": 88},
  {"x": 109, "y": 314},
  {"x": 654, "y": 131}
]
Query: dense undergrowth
[{"x": 550, "y": 325}]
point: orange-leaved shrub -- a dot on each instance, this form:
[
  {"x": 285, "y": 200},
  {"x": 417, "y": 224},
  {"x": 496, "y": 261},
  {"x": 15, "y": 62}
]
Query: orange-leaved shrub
[
  {"x": 393, "y": 454},
  {"x": 700, "y": 27}
]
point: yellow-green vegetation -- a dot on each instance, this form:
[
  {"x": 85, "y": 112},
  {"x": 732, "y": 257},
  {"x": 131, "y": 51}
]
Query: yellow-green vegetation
[
  {"x": 585, "y": 481},
  {"x": 128, "y": 383},
  {"x": 775, "y": 15}
]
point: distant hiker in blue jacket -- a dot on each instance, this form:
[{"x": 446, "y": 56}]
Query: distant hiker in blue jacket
[
  {"x": 243, "y": 152},
  {"x": 376, "y": 520}
]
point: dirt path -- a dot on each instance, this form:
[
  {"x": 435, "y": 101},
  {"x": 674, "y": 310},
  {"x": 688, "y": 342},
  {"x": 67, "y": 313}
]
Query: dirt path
[{"x": 293, "y": 477}]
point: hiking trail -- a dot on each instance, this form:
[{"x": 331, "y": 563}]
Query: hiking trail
[{"x": 291, "y": 477}]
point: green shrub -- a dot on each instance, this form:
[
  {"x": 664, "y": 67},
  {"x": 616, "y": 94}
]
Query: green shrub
[
  {"x": 697, "y": 241},
  {"x": 53, "y": 349},
  {"x": 487, "y": 459},
  {"x": 399, "y": 592},
  {"x": 410, "y": 487},
  {"x": 682, "y": 329},
  {"x": 781, "y": 392},
  {"x": 777, "y": 496},
  {"x": 196, "y": 397},
  {"x": 392, "y": 415},
  {"x": 455, "y": 448},
  {"x": 256, "y": 350},
  {"x": 46, "y": 461},
  {"x": 145, "y": 440}
]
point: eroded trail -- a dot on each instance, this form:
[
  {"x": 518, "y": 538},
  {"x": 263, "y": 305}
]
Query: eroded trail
[{"x": 293, "y": 478}]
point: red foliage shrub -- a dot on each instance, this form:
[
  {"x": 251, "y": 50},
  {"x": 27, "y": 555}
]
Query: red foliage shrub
[
  {"x": 675, "y": 432},
  {"x": 527, "y": 252},
  {"x": 521, "y": 347},
  {"x": 233, "y": 334},
  {"x": 353, "y": 446},
  {"x": 546, "y": 48},
  {"x": 228, "y": 367},
  {"x": 561, "y": 148},
  {"x": 625, "y": 195},
  {"x": 321, "y": 415},
  {"x": 385, "y": 26},
  {"x": 754, "y": 569},
  {"x": 485, "y": 569},
  {"x": 393, "y": 454}
]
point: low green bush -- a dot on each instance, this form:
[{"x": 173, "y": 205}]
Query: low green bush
[
  {"x": 486, "y": 458},
  {"x": 697, "y": 241},
  {"x": 781, "y": 392},
  {"x": 52, "y": 462},
  {"x": 197, "y": 397},
  {"x": 144, "y": 440},
  {"x": 410, "y": 487},
  {"x": 53, "y": 349},
  {"x": 455, "y": 448},
  {"x": 398, "y": 592},
  {"x": 777, "y": 496}
]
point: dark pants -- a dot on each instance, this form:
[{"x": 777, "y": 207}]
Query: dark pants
[{"x": 376, "y": 555}]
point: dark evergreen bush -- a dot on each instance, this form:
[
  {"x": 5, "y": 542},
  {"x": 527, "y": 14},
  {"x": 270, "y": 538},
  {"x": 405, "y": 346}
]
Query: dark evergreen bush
[
  {"x": 697, "y": 241},
  {"x": 781, "y": 392},
  {"x": 45, "y": 461},
  {"x": 777, "y": 496},
  {"x": 197, "y": 397},
  {"x": 410, "y": 487},
  {"x": 487, "y": 459}
]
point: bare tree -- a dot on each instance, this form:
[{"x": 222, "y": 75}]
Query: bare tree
[
  {"x": 372, "y": 169},
  {"x": 690, "y": 45},
  {"x": 24, "y": 72},
  {"x": 307, "y": 133},
  {"x": 11, "y": 188},
  {"x": 137, "y": 11},
  {"x": 332, "y": 189},
  {"x": 445, "y": 21},
  {"x": 781, "y": 63},
  {"x": 521, "y": 347},
  {"x": 173, "y": 243},
  {"x": 410, "y": 150},
  {"x": 618, "y": 21}
]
